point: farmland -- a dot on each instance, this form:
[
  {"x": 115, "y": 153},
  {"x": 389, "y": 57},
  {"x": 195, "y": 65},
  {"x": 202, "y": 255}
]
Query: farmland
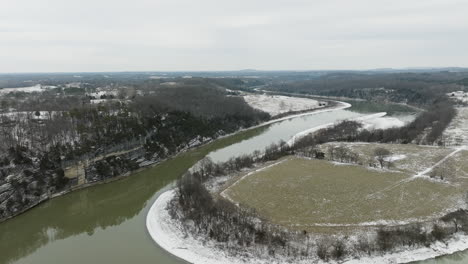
[{"x": 323, "y": 196}]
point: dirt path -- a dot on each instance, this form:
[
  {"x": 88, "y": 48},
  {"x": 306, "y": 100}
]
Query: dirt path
[{"x": 419, "y": 174}]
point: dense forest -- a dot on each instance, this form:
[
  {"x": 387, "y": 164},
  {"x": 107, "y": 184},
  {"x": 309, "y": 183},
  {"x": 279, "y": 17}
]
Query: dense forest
[{"x": 49, "y": 132}]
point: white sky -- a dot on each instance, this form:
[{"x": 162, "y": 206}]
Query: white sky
[{"x": 167, "y": 35}]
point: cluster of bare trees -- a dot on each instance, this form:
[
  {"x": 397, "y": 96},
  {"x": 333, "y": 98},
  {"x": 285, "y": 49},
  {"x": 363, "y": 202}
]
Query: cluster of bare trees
[
  {"x": 342, "y": 153},
  {"x": 427, "y": 128},
  {"x": 422, "y": 235},
  {"x": 221, "y": 220},
  {"x": 199, "y": 98},
  {"x": 382, "y": 155}
]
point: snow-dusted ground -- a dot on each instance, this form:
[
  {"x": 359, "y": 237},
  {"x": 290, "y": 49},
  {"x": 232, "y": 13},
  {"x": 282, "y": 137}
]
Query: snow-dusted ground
[
  {"x": 277, "y": 104},
  {"x": 340, "y": 106},
  {"x": 169, "y": 235},
  {"x": 457, "y": 132},
  {"x": 383, "y": 123},
  {"x": 226, "y": 196},
  {"x": 30, "y": 89},
  {"x": 425, "y": 172}
]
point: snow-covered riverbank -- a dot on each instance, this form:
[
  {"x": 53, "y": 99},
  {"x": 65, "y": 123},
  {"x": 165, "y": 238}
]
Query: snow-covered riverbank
[
  {"x": 339, "y": 106},
  {"x": 169, "y": 235}
]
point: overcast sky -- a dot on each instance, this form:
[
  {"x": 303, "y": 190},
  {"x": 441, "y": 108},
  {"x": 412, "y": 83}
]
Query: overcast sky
[{"x": 168, "y": 35}]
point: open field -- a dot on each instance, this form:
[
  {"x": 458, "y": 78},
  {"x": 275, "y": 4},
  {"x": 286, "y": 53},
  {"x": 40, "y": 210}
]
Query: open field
[
  {"x": 407, "y": 158},
  {"x": 460, "y": 166},
  {"x": 319, "y": 196},
  {"x": 457, "y": 132},
  {"x": 277, "y": 104}
]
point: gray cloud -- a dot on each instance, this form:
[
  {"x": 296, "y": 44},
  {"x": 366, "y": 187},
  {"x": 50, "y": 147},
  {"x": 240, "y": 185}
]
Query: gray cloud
[{"x": 104, "y": 35}]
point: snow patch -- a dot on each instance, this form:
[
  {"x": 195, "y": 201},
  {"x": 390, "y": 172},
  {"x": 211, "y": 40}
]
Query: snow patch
[
  {"x": 382, "y": 123},
  {"x": 395, "y": 157}
]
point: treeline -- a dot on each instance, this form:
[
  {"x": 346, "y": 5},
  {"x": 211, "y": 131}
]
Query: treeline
[
  {"x": 389, "y": 239},
  {"x": 413, "y": 88},
  {"x": 221, "y": 220},
  {"x": 199, "y": 99}
]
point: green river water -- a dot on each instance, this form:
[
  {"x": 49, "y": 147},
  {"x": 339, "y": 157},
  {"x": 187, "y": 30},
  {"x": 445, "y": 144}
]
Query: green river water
[{"x": 106, "y": 223}]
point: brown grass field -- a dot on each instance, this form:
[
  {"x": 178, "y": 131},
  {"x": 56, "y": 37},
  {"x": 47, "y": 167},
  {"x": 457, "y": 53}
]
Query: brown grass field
[{"x": 318, "y": 195}]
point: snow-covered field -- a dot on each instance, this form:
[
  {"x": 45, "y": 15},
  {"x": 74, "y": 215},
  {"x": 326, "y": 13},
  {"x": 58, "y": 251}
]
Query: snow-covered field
[
  {"x": 457, "y": 132},
  {"x": 30, "y": 89},
  {"x": 169, "y": 235},
  {"x": 277, "y": 104}
]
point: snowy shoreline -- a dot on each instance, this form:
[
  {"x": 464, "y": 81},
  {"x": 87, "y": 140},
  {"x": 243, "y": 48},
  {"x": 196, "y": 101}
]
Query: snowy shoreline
[
  {"x": 341, "y": 106},
  {"x": 169, "y": 235},
  {"x": 311, "y": 130}
]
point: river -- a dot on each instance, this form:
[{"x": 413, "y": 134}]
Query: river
[{"x": 106, "y": 223}]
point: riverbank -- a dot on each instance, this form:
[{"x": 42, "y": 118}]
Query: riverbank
[{"x": 169, "y": 235}]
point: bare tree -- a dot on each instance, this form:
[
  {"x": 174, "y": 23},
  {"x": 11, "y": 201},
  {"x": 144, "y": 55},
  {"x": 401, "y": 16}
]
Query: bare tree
[{"x": 381, "y": 154}]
